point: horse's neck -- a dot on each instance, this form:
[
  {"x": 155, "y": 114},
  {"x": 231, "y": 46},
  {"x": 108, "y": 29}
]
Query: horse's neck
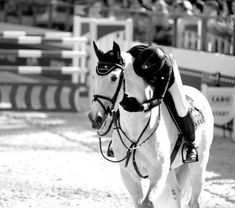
[{"x": 133, "y": 123}]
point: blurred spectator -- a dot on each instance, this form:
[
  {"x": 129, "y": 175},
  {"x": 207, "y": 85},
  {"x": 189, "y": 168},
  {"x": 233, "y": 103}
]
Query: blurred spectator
[
  {"x": 217, "y": 24},
  {"x": 96, "y": 9},
  {"x": 219, "y": 29},
  {"x": 224, "y": 14},
  {"x": 115, "y": 10},
  {"x": 170, "y": 2},
  {"x": 161, "y": 23},
  {"x": 183, "y": 7},
  {"x": 211, "y": 8},
  {"x": 141, "y": 20},
  {"x": 198, "y": 7},
  {"x": 224, "y": 10},
  {"x": 126, "y": 3},
  {"x": 186, "y": 22},
  {"x": 160, "y": 7},
  {"x": 233, "y": 8},
  {"x": 146, "y": 4},
  {"x": 137, "y": 6}
]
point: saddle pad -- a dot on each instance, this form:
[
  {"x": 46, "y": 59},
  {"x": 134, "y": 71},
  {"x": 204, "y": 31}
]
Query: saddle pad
[{"x": 196, "y": 114}]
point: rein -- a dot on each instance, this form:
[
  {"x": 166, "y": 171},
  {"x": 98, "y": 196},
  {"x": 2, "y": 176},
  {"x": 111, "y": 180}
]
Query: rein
[{"x": 131, "y": 150}]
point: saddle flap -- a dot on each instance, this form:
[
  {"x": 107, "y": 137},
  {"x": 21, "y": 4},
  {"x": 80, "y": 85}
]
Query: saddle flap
[{"x": 196, "y": 114}]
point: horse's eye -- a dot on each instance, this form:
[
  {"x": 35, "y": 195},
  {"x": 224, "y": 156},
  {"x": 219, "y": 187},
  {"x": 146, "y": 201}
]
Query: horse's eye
[{"x": 113, "y": 78}]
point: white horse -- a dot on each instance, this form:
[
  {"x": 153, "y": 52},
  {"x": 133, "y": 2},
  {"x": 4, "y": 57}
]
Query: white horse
[{"x": 143, "y": 141}]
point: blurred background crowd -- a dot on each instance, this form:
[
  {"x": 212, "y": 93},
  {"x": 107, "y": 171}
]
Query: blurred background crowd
[
  {"x": 218, "y": 13},
  {"x": 155, "y": 15}
]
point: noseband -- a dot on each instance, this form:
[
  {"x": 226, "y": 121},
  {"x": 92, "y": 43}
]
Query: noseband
[{"x": 102, "y": 69}]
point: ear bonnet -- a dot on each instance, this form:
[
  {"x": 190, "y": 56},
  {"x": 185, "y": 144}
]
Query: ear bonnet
[{"x": 108, "y": 61}]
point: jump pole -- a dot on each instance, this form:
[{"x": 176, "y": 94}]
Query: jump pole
[
  {"x": 17, "y": 33},
  {"x": 24, "y": 53},
  {"x": 30, "y": 89}
]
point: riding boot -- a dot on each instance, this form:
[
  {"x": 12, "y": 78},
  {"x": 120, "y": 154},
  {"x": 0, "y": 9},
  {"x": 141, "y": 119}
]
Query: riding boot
[{"x": 188, "y": 131}]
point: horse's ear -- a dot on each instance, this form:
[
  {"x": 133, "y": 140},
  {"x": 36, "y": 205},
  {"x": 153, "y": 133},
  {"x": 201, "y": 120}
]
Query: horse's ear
[
  {"x": 98, "y": 52},
  {"x": 116, "y": 50}
]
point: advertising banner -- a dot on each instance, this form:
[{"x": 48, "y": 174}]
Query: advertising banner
[{"x": 222, "y": 102}]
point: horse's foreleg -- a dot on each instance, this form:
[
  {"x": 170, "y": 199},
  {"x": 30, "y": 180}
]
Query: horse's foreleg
[
  {"x": 198, "y": 176},
  {"x": 197, "y": 183},
  {"x": 156, "y": 186},
  {"x": 133, "y": 186},
  {"x": 198, "y": 172},
  {"x": 172, "y": 182}
]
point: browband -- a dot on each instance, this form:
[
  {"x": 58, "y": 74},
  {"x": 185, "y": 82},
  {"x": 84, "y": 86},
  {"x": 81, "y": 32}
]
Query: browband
[{"x": 104, "y": 68}]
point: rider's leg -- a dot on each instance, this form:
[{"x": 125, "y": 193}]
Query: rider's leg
[
  {"x": 165, "y": 78},
  {"x": 182, "y": 107}
]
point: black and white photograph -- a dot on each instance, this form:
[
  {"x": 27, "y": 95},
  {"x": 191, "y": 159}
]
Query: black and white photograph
[{"x": 117, "y": 103}]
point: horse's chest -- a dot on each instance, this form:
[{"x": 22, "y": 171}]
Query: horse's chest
[
  {"x": 143, "y": 160},
  {"x": 144, "y": 156}
]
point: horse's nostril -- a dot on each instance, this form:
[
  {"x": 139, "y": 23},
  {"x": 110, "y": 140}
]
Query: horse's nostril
[{"x": 96, "y": 120}]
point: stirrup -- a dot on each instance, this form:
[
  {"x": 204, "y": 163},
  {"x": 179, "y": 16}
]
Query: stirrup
[{"x": 184, "y": 155}]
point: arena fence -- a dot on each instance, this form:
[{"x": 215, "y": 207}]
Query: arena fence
[
  {"x": 51, "y": 94},
  {"x": 42, "y": 93},
  {"x": 63, "y": 97}
]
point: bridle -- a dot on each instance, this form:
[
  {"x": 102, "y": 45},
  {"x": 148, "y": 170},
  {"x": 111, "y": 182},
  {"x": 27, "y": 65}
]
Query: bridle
[{"x": 102, "y": 72}]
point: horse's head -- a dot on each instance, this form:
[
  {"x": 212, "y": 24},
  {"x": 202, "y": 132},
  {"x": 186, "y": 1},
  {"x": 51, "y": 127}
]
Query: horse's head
[{"x": 107, "y": 81}]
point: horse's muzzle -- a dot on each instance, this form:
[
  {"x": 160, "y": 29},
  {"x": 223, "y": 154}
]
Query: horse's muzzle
[{"x": 96, "y": 120}]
